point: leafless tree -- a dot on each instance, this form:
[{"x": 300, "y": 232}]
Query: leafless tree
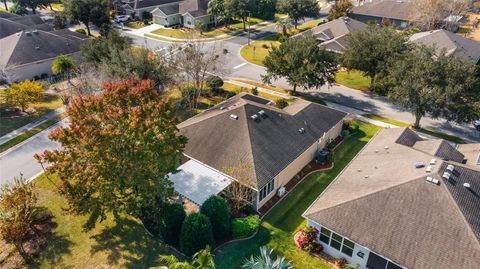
[
  {"x": 427, "y": 14},
  {"x": 238, "y": 193},
  {"x": 196, "y": 61},
  {"x": 88, "y": 80}
]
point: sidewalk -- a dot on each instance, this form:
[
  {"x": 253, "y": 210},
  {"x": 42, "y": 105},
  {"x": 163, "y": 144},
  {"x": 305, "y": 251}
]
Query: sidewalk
[
  {"x": 4, "y": 139},
  {"x": 260, "y": 89}
]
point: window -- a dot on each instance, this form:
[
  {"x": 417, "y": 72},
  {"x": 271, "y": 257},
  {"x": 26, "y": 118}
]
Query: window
[
  {"x": 336, "y": 241},
  {"x": 267, "y": 189},
  {"x": 347, "y": 247},
  {"x": 325, "y": 235}
]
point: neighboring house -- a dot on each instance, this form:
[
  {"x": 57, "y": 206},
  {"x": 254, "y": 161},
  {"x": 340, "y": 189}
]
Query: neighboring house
[
  {"x": 465, "y": 49},
  {"x": 248, "y": 140},
  {"x": 397, "y": 12},
  {"x": 188, "y": 13},
  {"x": 403, "y": 202},
  {"x": 29, "y": 54},
  {"x": 137, "y": 7},
  {"x": 333, "y": 35},
  {"x": 13, "y": 24}
]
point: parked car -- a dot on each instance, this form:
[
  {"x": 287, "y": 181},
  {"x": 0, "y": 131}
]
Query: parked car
[
  {"x": 121, "y": 18},
  {"x": 476, "y": 124}
]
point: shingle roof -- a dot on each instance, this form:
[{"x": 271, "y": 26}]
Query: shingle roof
[
  {"x": 12, "y": 25},
  {"x": 266, "y": 145},
  {"x": 151, "y": 3},
  {"x": 465, "y": 49},
  {"x": 440, "y": 148},
  {"x": 31, "y": 46},
  {"x": 4, "y": 14},
  {"x": 383, "y": 202},
  {"x": 393, "y": 9},
  {"x": 196, "y": 8},
  {"x": 29, "y": 20},
  {"x": 333, "y": 34}
]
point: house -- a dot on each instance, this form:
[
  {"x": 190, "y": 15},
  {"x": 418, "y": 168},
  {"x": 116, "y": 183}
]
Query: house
[
  {"x": 465, "y": 49},
  {"x": 188, "y": 13},
  {"x": 333, "y": 35},
  {"x": 403, "y": 202},
  {"x": 247, "y": 140},
  {"x": 396, "y": 12},
  {"x": 138, "y": 7},
  {"x": 29, "y": 53}
]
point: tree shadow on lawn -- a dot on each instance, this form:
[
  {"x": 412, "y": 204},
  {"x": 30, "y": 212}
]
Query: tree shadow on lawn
[{"x": 127, "y": 240}]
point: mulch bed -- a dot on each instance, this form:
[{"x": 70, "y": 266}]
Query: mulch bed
[{"x": 322, "y": 255}]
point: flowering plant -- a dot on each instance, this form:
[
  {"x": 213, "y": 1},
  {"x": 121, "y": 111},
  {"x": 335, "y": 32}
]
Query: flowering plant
[{"x": 307, "y": 240}]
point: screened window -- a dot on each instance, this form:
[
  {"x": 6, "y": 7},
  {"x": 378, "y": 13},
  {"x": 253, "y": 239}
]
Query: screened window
[
  {"x": 265, "y": 191},
  {"x": 325, "y": 235},
  {"x": 337, "y": 241},
  {"x": 347, "y": 247}
]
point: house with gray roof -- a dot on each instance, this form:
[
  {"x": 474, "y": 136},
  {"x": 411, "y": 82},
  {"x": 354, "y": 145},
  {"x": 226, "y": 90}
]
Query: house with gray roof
[
  {"x": 29, "y": 53},
  {"x": 333, "y": 35},
  {"x": 187, "y": 13},
  {"x": 397, "y": 12},
  {"x": 251, "y": 142},
  {"x": 465, "y": 49},
  {"x": 13, "y": 24},
  {"x": 403, "y": 202}
]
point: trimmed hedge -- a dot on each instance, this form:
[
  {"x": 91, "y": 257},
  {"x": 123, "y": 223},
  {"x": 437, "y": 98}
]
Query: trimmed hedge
[
  {"x": 196, "y": 234},
  {"x": 171, "y": 223},
  {"x": 244, "y": 227},
  {"x": 216, "y": 209}
]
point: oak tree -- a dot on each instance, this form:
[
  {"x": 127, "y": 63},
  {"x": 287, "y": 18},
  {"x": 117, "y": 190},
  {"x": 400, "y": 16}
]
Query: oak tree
[
  {"x": 299, "y": 9},
  {"x": 88, "y": 11},
  {"x": 117, "y": 151},
  {"x": 339, "y": 9}
]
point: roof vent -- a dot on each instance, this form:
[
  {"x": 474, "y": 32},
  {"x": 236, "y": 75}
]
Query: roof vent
[
  {"x": 254, "y": 117},
  {"x": 233, "y": 117},
  {"x": 450, "y": 167},
  {"x": 446, "y": 175},
  {"x": 433, "y": 180},
  {"x": 419, "y": 165},
  {"x": 301, "y": 130},
  {"x": 37, "y": 47},
  {"x": 34, "y": 31},
  {"x": 386, "y": 147},
  {"x": 28, "y": 33},
  {"x": 261, "y": 112},
  {"x": 466, "y": 185},
  {"x": 429, "y": 169},
  {"x": 433, "y": 161},
  {"x": 222, "y": 107}
]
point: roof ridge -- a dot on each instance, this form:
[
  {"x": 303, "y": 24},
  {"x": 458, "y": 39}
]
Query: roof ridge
[{"x": 250, "y": 146}]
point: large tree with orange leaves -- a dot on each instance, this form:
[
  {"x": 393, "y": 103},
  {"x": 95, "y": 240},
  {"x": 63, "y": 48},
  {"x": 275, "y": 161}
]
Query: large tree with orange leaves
[{"x": 117, "y": 151}]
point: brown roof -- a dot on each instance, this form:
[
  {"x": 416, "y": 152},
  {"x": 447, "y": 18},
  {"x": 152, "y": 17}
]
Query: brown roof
[
  {"x": 471, "y": 152},
  {"x": 383, "y": 202},
  {"x": 392, "y": 9},
  {"x": 266, "y": 145}
]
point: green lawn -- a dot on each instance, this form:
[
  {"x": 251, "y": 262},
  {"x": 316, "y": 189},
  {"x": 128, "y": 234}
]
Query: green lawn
[
  {"x": 49, "y": 103},
  {"x": 112, "y": 244},
  {"x": 285, "y": 219},
  {"x": 454, "y": 139},
  {"x": 353, "y": 79}
]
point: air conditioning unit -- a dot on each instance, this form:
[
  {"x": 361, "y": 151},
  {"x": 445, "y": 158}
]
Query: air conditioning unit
[{"x": 281, "y": 191}]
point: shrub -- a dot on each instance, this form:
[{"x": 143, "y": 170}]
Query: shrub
[
  {"x": 214, "y": 82},
  {"x": 350, "y": 125},
  {"x": 254, "y": 91},
  {"x": 196, "y": 234},
  {"x": 282, "y": 39},
  {"x": 229, "y": 94},
  {"x": 81, "y": 31},
  {"x": 281, "y": 103},
  {"x": 340, "y": 262},
  {"x": 216, "y": 209},
  {"x": 265, "y": 46},
  {"x": 308, "y": 240},
  {"x": 146, "y": 16},
  {"x": 171, "y": 223},
  {"x": 18, "y": 9},
  {"x": 244, "y": 227}
]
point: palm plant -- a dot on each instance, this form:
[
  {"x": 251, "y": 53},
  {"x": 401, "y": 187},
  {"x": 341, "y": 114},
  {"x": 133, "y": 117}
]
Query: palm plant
[
  {"x": 265, "y": 261},
  {"x": 201, "y": 260},
  {"x": 63, "y": 65},
  {"x": 285, "y": 25}
]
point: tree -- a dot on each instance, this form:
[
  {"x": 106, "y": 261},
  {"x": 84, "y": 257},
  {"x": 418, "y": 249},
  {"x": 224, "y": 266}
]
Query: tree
[
  {"x": 99, "y": 50},
  {"x": 339, "y": 9},
  {"x": 88, "y": 11},
  {"x": 24, "y": 93},
  {"x": 217, "y": 9},
  {"x": 18, "y": 9},
  {"x": 171, "y": 223},
  {"x": 18, "y": 213},
  {"x": 196, "y": 234},
  {"x": 117, "y": 151},
  {"x": 33, "y": 4},
  {"x": 265, "y": 261},
  {"x": 301, "y": 62},
  {"x": 372, "y": 50},
  {"x": 239, "y": 195},
  {"x": 5, "y": 4},
  {"x": 265, "y": 9},
  {"x": 59, "y": 21},
  {"x": 216, "y": 209},
  {"x": 63, "y": 65},
  {"x": 195, "y": 62},
  {"x": 285, "y": 25},
  {"x": 425, "y": 82},
  {"x": 298, "y": 9},
  {"x": 240, "y": 9},
  {"x": 429, "y": 14},
  {"x": 214, "y": 83},
  {"x": 203, "y": 259}
]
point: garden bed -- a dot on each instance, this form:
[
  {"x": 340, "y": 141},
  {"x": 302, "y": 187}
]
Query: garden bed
[{"x": 320, "y": 255}]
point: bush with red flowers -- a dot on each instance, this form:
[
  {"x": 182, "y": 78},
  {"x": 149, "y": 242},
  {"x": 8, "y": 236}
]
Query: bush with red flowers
[{"x": 307, "y": 240}]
